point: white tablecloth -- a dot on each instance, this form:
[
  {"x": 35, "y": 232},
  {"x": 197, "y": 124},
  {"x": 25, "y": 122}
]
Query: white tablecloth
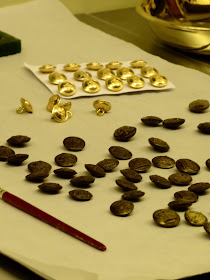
[{"x": 136, "y": 247}]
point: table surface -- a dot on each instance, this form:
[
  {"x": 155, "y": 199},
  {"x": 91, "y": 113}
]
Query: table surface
[{"x": 125, "y": 24}]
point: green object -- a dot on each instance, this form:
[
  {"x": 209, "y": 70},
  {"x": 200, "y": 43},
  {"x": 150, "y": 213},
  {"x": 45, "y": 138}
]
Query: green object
[{"x": 9, "y": 44}]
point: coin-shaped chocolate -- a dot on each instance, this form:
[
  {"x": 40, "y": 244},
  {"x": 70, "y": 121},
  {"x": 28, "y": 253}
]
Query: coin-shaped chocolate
[
  {"x": 17, "y": 159},
  {"x": 199, "y": 105},
  {"x": 81, "y": 195},
  {"x": 180, "y": 179},
  {"x": 151, "y": 120},
  {"x": 126, "y": 185},
  {"x": 160, "y": 181},
  {"x": 140, "y": 164},
  {"x": 122, "y": 208},
  {"x": 82, "y": 181},
  {"x": 124, "y": 133},
  {"x": 173, "y": 123},
  {"x": 133, "y": 195},
  {"x": 206, "y": 226},
  {"x": 95, "y": 170},
  {"x": 195, "y": 218},
  {"x": 208, "y": 163},
  {"x": 108, "y": 164},
  {"x": 120, "y": 152},
  {"x": 65, "y": 159},
  {"x": 186, "y": 195},
  {"x": 158, "y": 144},
  {"x": 163, "y": 162},
  {"x": 179, "y": 205},
  {"x": 18, "y": 140},
  {"x": 187, "y": 166},
  {"x": 74, "y": 143},
  {"x": 50, "y": 187},
  {"x": 65, "y": 172},
  {"x": 131, "y": 175},
  {"x": 5, "y": 152},
  {"x": 204, "y": 127},
  {"x": 199, "y": 188},
  {"x": 166, "y": 218},
  {"x": 37, "y": 176},
  {"x": 39, "y": 166}
]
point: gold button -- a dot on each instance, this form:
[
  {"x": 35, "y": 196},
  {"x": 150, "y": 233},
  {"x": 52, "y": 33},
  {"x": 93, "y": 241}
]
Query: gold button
[
  {"x": 135, "y": 81},
  {"x": 71, "y": 67},
  {"x": 94, "y": 66},
  {"x": 114, "y": 65},
  {"x": 138, "y": 63},
  {"x": 82, "y": 75},
  {"x": 158, "y": 81},
  {"x": 124, "y": 72},
  {"x": 56, "y": 77},
  {"x": 114, "y": 84},
  {"x": 105, "y": 73},
  {"x": 148, "y": 71},
  {"x": 54, "y": 100},
  {"x": 25, "y": 107},
  {"x": 47, "y": 68},
  {"x": 91, "y": 85},
  {"x": 101, "y": 106},
  {"x": 60, "y": 114},
  {"x": 66, "y": 88}
]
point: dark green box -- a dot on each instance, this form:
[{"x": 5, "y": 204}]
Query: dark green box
[{"x": 9, "y": 44}]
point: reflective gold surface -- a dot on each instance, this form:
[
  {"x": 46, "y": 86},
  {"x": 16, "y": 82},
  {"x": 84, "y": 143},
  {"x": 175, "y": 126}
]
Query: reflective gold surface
[
  {"x": 60, "y": 114},
  {"x": 101, "y": 106},
  {"x": 91, "y": 85},
  {"x": 135, "y": 82},
  {"x": 114, "y": 65},
  {"x": 56, "y": 77},
  {"x": 158, "y": 81},
  {"x": 138, "y": 63},
  {"x": 54, "y": 100},
  {"x": 148, "y": 71},
  {"x": 114, "y": 84},
  {"x": 105, "y": 73},
  {"x": 124, "y": 72},
  {"x": 66, "y": 105},
  {"x": 66, "y": 88},
  {"x": 25, "y": 107},
  {"x": 94, "y": 66},
  {"x": 82, "y": 75},
  {"x": 47, "y": 68},
  {"x": 71, "y": 67}
]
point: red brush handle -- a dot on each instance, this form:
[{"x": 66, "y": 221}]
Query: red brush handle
[{"x": 39, "y": 214}]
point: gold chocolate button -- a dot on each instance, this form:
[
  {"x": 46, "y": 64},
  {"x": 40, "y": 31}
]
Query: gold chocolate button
[
  {"x": 148, "y": 71},
  {"x": 158, "y": 81},
  {"x": 124, "y": 72},
  {"x": 101, "y": 106},
  {"x": 105, "y": 73},
  {"x": 66, "y": 88},
  {"x": 114, "y": 65},
  {"x": 82, "y": 75},
  {"x": 56, "y": 77},
  {"x": 138, "y": 63},
  {"x": 54, "y": 100},
  {"x": 25, "y": 107},
  {"x": 71, "y": 67},
  {"x": 135, "y": 81},
  {"x": 114, "y": 84},
  {"x": 94, "y": 66},
  {"x": 60, "y": 114},
  {"x": 91, "y": 85},
  {"x": 47, "y": 68}
]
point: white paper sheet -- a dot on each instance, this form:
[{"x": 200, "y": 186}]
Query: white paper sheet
[
  {"x": 103, "y": 90},
  {"x": 136, "y": 247}
]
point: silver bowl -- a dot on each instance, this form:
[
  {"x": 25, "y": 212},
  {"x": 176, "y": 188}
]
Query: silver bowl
[{"x": 189, "y": 36}]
